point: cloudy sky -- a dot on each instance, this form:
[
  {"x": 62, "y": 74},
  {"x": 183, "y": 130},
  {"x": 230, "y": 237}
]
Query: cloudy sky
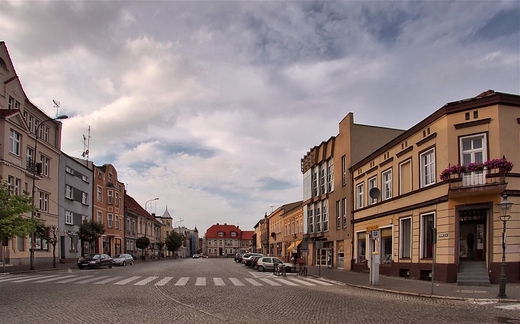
[{"x": 210, "y": 105}]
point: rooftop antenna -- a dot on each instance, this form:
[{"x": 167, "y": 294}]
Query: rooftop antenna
[
  {"x": 86, "y": 145},
  {"x": 272, "y": 208},
  {"x": 56, "y": 105}
]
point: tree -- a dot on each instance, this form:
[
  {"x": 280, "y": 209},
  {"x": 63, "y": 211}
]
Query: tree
[
  {"x": 12, "y": 221},
  {"x": 173, "y": 241},
  {"x": 50, "y": 233},
  {"x": 142, "y": 243},
  {"x": 90, "y": 231}
]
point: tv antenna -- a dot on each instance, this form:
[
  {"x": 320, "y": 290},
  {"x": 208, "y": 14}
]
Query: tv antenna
[
  {"x": 86, "y": 145},
  {"x": 56, "y": 105}
]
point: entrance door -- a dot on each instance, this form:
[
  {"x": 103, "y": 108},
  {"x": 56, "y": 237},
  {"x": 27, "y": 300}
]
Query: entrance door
[{"x": 472, "y": 235}]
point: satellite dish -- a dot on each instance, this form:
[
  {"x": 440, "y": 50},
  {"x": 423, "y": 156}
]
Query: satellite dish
[{"x": 374, "y": 193}]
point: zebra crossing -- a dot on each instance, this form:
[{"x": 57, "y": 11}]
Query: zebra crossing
[{"x": 269, "y": 281}]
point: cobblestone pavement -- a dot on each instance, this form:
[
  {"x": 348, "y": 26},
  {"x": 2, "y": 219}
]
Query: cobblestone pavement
[{"x": 86, "y": 300}]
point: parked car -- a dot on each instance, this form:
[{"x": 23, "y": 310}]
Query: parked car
[
  {"x": 238, "y": 257},
  {"x": 268, "y": 263},
  {"x": 123, "y": 259},
  {"x": 248, "y": 256},
  {"x": 95, "y": 261},
  {"x": 196, "y": 256},
  {"x": 254, "y": 262}
]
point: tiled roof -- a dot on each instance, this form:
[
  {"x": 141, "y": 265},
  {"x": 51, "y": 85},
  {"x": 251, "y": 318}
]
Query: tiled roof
[
  {"x": 8, "y": 112},
  {"x": 213, "y": 231},
  {"x": 133, "y": 205}
]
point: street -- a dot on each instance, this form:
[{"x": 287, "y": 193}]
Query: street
[{"x": 216, "y": 291}]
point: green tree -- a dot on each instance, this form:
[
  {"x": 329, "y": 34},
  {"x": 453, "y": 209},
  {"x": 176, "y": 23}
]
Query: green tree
[
  {"x": 173, "y": 241},
  {"x": 90, "y": 231},
  {"x": 12, "y": 207},
  {"x": 142, "y": 243},
  {"x": 50, "y": 233}
]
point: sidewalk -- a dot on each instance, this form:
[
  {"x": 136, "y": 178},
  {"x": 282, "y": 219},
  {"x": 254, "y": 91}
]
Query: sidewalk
[{"x": 417, "y": 287}]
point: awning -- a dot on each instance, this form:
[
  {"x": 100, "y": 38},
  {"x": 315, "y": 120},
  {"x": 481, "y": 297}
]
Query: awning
[{"x": 293, "y": 245}]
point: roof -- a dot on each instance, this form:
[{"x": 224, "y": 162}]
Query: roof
[
  {"x": 213, "y": 231},
  {"x": 133, "y": 205},
  {"x": 247, "y": 235}
]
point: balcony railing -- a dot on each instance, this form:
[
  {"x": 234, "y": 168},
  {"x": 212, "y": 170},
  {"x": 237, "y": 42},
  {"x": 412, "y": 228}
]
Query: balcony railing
[{"x": 476, "y": 179}]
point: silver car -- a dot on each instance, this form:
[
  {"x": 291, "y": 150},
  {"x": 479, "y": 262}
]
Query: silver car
[
  {"x": 123, "y": 259},
  {"x": 268, "y": 263}
]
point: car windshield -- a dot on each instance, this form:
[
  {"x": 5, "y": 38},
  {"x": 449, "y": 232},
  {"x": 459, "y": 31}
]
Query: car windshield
[
  {"x": 121, "y": 256},
  {"x": 96, "y": 256}
]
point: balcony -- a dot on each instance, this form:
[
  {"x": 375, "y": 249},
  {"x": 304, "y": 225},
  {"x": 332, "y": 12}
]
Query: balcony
[{"x": 477, "y": 183}]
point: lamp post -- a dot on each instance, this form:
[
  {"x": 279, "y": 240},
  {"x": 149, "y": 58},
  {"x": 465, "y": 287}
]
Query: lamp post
[
  {"x": 505, "y": 207},
  {"x": 148, "y": 202},
  {"x": 179, "y": 221},
  {"x": 33, "y": 170}
]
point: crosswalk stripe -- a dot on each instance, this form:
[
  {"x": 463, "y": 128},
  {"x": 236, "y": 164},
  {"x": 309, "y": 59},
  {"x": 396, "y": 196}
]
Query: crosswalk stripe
[
  {"x": 287, "y": 282},
  {"x": 145, "y": 281},
  {"x": 52, "y": 278},
  {"x": 303, "y": 282},
  {"x": 124, "y": 282},
  {"x": 102, "y": 282},
  {"x": 269, "y": 281},
  {"x": 320, "y": 282},
  {"x": 12, "y": 278},
  {"x": 72, "y": 279},
  {"x": 219, "y": 282},
  {"x": 182, "y": 281},
  {"x": 253, "y": 282},
  {"x": 164, "y": 281},
  {"x": 236, "y": 282},
  {"x": 90, "y": 280},
  {"x": 201, "y": 281},
  {"x": 29, "y": 279}
]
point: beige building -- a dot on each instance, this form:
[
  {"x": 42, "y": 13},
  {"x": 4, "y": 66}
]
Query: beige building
[
  {"x": 327, "y": 203},
  {"x": 29, "y": 160},
  {"x": 415, "y": 219}
]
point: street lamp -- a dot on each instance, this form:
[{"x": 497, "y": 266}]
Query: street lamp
[
  {"x": 34, "y": 168},
  {"x": 179, "y": 221},
  {"x": 505, "y": 207},
  {"x": 148, "y": 202}
]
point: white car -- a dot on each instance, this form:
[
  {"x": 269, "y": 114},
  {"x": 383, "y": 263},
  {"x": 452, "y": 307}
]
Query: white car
[
  {"x": 123, "y": 259},
  {"x": 268, "y": 263}
]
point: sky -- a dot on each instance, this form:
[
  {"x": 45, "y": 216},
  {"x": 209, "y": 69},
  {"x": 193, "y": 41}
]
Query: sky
[{"x": 210, "y": 105}]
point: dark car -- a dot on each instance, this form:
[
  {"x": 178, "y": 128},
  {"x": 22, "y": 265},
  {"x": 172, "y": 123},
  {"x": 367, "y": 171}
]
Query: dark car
[
  {"x": 254, "y": 261},
  {"x": 95, "y": 261},
  {"x": 249, "y": 261}
]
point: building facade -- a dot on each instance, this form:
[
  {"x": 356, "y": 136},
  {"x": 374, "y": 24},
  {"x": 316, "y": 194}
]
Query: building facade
[
  {"x": 75, "y": 204},
  {"x": 427, "y": 201},
  {"x": 227, "y": 240},
  {"x": 327, "y": 206},
  {"x": 29, "y": 161},
  {"x": 108, "y": 209}
]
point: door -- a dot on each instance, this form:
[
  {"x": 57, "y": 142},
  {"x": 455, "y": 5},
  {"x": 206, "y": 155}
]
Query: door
[
  {"x": 473, "y": 150},
  {"x": 472, "y": 235}
]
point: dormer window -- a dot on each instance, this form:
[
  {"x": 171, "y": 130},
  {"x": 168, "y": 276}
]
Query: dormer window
[
  {"x": 233, "y": 234},
  {"x": 220, "y": 234}
]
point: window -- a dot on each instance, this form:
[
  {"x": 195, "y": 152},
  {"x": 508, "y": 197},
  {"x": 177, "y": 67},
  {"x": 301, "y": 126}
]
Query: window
[
  {"x": 344, "y": 211},
  {"x": 44, "y": 201},
  {"x": 220, "y": 234},
  {"x": 99, "y": 193},
  {"x": 317, "y": 217},
  {"x": 343, "y": 170},
  {"x": 322, "y": 171},
  {"x": 361, "y": 247},
  {"x": 117, "y": 198},
  {"x": 310, "y": 218},
  {"x": 46, "y": 134},
  {"x": 386, "y": 245},
  {"x": 314, "y": 180},
  {"x": 10, "y": 183},
  {"x": 428, "y": 168},
  {"x": 338, "y": 214},
  {"x": 68, "y": 217},
  {"x": 14, "y": 142},
  {"x": 100, "y": 217},
  {"x": 360, "y": 188},
  {"x": 330, "y": 175},
  {"x": 29, "y": 158},
  {"x": 405, "y": 238},
  {"x": 69, "y": 192},
  {"x": 325, "y": 213},
  {"x": 307, "y": 185},
  {"x": 84, "y": 178},
  {"x": 69, "y": 170},
  {"x": 387, "y": 184},
  {"x": 117, "y": 222},
  {"x": 84, "y": 198},
  {"x": 20, "y": 243},
  {"x": 45, "y": 165},
  {"x": 427, "y": 225},
  {"x": 473, "y": 150},
  {"x": 233, "y": 234},
  {"x": 109, "y": 220},
  {"x": 110, "y": 193},
  {"x": 372, "y": 183}
]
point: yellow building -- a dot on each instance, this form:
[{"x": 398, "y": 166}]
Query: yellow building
[{"x": 410, "y": 218}]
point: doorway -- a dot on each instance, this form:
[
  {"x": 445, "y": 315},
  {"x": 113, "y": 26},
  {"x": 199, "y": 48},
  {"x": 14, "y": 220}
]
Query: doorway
[{"x": 472, "y": 234}]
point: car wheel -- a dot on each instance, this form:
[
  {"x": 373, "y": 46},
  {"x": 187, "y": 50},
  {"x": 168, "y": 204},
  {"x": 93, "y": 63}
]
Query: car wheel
[
  {"x": 80, "y": 266},
  {"x": 261, "y": 269},
  {"x": 110, "y": 265},
  {"x": 98, "y": 265},
  {"x": 132, "y": 262},
  {"x": 124, "y": 263}
]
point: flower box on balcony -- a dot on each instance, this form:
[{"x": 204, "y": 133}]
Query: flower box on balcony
[{"x": 500, "y": 166}]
